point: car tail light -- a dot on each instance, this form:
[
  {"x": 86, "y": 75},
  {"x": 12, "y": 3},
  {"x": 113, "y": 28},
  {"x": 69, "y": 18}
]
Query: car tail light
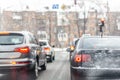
[
  {"x": 14, "y": 62},
  {"x": 23, "y": 50},
  {"x": 47, "y": 49},
  {"x": 82, "y": 58},
  {"x": 27, "y": 62}
]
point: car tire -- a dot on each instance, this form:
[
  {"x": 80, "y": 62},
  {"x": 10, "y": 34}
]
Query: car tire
[
  {"x": 51, "y": 58},
  {"x": 44, "y": 66},
  {"x": 70, "y": 73},
  {"x": 34, "y": 70}
]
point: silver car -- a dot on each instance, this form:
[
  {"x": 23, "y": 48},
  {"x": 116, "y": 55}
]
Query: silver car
[
  {"x": 20, "y": 49},
  {"x": 50, "y": 53}
]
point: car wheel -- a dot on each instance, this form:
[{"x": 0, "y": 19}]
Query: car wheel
[
  {"x": 43, "y": 67},
  {"x": 70, "y": 73},
  {"x": 51, "y": 58},
  {"x": 34, "y": 71}
]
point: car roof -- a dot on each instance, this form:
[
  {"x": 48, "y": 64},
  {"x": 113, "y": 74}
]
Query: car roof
[
  {"x": 43, "y": 40},
  {"x": 21, "y": 32},
  {"x": 100, "y": 37}
]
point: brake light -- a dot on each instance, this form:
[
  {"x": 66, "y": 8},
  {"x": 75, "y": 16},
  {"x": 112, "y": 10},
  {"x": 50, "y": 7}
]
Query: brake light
[
  {"x": 27, "y": 62},
  {"x": 23, "y": 50},
  {"x": 47, "y": 49},
  {"x": 82, "y": 58},
  {"x": 14, "y": 63}
]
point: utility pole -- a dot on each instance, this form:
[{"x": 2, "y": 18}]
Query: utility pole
[
  {"x": 78, "y": 25},
  {"x": 49, "y": 19},
  {"x": 50, "y": 26},
  {"x": 96, "y": 21},
  {"x": 108, "y": 20},
  {"x": 84, "y": 27},
  {"x": 77, "y": 19},
  {"x": 1, "y": 20}
]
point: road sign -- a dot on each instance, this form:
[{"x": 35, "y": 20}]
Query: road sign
[
  {"x": 55, "y": 6},
  {"x": 62, "y": 36}
]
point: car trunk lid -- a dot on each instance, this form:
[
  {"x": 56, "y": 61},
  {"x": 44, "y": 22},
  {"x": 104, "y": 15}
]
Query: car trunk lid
[
  {"x": 9, "y": 51},
  {"x": 101, "y": 58}
]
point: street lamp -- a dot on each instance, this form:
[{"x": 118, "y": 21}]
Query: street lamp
[
  {"x": 96, "y": 21},
  {"x": 84, "y": 27},
  {"x": 84, "y": 13},
  {"x": 1, "y": 27},
  {"x": 49, "y": 19}
]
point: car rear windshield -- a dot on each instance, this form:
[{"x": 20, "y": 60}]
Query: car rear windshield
[
  {"x": 42, "y": 43},
  {"x": 11, "y": 39},
  {"x": 100, "y": 43}
]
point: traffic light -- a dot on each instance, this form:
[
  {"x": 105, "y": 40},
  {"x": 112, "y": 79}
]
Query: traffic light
[
  {"x": 102, "y": 24},
  {"x": 102, "y": 21},
  {"x": 63, "y": 7}
]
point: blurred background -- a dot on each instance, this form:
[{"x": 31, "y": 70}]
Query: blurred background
[{"x": 60, "y": 22}]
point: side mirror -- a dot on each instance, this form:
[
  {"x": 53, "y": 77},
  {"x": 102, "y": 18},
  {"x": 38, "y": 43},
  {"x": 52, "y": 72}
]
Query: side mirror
[
  {"x": 72, "y": 48},
  {"x": 68, "y": 50}
]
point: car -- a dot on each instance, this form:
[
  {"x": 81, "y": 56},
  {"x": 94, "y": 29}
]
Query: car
[
  {"x": 95, "y": 57},
  {"x": 50, "y": 53},
  {"x": 19, "y": 50},
  {"x": 72, "y": 46}
]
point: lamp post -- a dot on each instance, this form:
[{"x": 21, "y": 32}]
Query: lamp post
[
  {"x": 84, "y": 27},
  {"x": 50, "y": 26},
  {"x": 49, "y": 19},
  {"x": 96, "y": 21},
  {"x": 108, "y": 19},
  {"x": 1, "y": 27},
  {"x": 78, "y": 25},
  {"x": 84, "y": 13}
]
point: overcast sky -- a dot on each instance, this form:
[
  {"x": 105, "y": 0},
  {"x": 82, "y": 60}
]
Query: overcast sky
[{"x": 40, "y": 4}]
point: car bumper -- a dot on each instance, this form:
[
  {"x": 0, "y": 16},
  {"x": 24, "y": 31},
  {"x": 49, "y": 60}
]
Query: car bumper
[
  {"x": 78, "y": 72},
  {"x": 16, "y": 63},
  {"x": 48, "y": 53}
]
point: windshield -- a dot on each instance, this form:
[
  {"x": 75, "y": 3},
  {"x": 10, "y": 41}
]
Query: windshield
[
  {"x": 11, "y": 39},
  {"x": 99, "y": 43},
  {"x": 42, "y": 43}
]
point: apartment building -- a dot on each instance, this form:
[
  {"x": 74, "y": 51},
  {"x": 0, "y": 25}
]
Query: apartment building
[{"x": 48, "y": 21}]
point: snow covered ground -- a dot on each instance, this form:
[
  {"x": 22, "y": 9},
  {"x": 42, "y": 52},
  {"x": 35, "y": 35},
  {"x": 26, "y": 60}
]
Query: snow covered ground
[{"x": 60, "y": 49}]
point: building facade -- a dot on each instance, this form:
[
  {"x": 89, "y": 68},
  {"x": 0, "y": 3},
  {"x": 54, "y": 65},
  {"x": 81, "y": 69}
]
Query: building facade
[{"x": 48, "y": 21}]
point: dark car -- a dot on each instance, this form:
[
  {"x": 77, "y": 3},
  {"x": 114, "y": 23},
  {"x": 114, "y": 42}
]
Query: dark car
[
  {"x": 96, "y": 56},
  {"x": 20, "y": 49},
  {"x": 72, "y": 47}
]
